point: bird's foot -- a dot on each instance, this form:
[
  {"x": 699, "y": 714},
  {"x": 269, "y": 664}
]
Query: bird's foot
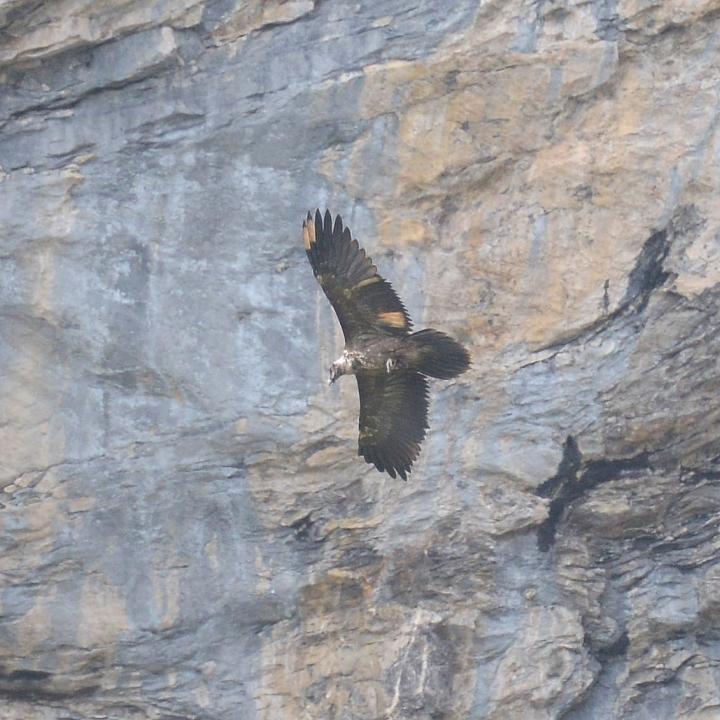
[{"x": 390, "y": 364}]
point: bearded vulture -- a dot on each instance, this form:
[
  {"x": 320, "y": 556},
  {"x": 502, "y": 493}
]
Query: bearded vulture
[{"x": 390, "y": 364}]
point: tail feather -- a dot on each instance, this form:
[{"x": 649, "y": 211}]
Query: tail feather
[{"x": 437, "y": 354}]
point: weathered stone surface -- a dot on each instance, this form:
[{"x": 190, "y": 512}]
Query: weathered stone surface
[{"x": 185, "y": 530}]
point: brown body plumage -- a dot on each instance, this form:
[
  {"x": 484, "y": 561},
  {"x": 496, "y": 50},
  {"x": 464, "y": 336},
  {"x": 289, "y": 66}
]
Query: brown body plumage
[{"x": 389, "y": 362}]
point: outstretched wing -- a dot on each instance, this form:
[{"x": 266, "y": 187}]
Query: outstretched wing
[
  {"x": 361, "y": 298},
  {"x": 393, "y": 419}
]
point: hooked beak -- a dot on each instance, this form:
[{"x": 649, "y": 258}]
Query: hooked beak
[{"x": 333, "y": 375}]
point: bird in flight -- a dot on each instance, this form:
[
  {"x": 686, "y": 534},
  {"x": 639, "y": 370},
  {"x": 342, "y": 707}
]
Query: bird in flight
[{"x": 391, "y": 364}]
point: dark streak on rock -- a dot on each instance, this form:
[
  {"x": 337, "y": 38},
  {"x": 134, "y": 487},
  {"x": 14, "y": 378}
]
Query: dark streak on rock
[
  {"x": 606, "y": 296},
  {"x": 451, "y": 79},
  {"x": 319, "y": 446},
  {"x": 31, "y": 685},
  {"x": 605, "y": 656},
  {"x": 648, "y": 273},
  {"x": 62, "y": 103},
  {"x": 16, "y": 15},
  {"x": 28, "y": 675},
  {"x": 567, "y": 470},
  {"x": 305, "y": 529},
  {"x": 561, "y": 482},
  {"x": 600, "y": 471},
  {"x": 616, "y": 649},
  {"x": 608, "y": 20},
  {"x": 647, "y": 276},
  {"x": 694, "y": 476},
  {"x": 567, "y": 485}
]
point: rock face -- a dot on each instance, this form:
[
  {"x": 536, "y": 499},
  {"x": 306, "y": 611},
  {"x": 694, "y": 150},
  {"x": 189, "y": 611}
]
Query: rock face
[{"x": 185, "y": 528}]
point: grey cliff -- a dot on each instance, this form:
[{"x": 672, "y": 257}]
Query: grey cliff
[{"x": 185, "y": 528}]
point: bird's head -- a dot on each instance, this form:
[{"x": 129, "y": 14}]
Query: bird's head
[
  {"x": 335, "y": 372},
  {"x": 338, "y": 368}
]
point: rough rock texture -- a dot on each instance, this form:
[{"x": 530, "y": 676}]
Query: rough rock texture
[{"x": 185, "y": 529}]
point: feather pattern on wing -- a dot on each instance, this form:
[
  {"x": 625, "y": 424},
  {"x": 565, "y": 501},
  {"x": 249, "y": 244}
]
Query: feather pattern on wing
[
  {"x": 393, "y": 419},
  {"x": 362, "y": 299}
]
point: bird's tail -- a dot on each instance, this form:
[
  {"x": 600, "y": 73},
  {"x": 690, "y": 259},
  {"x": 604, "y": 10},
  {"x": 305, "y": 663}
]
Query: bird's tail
[{"x": 438, "y": 355}]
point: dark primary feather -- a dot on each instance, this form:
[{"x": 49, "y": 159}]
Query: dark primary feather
[
  {"x": 393, "y": 419},
  {"x": 362, "y": 299}
]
